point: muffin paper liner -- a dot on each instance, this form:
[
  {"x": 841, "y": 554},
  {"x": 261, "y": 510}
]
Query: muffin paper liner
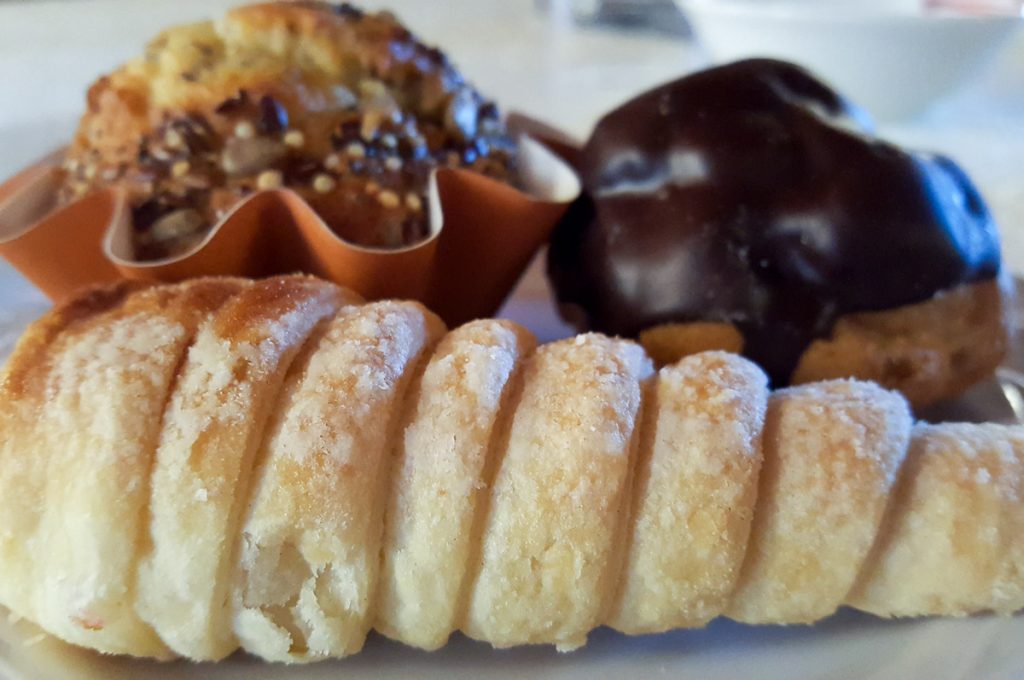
[{"x": 483, "y": 235}]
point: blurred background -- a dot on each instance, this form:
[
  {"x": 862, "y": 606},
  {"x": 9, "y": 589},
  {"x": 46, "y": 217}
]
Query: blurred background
[{"x": 946, "y": 75}]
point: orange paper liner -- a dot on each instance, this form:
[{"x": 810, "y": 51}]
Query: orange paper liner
[{"x": 483, "y": 234}]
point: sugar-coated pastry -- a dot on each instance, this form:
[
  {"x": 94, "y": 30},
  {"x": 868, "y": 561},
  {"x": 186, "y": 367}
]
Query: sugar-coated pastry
[
  {"x": 277, "y": 467},
  {"x": 26, "y": 387},
  {"x": 345, "y": 107},
  {"x": 694, "y": 493},
  {"x": 445, "y": 462},
  {"x": 547, "y": 552},
  {"x": 110, "y": 388},
  {"x": 831, "y": 452},
  {"x": 100, "y": 398},
  {"x": 749, "y": 207},
  {"x": 953, "y": 537},
  {"x": 213, "y": 425},
  {"x": 308, "y": 562}
]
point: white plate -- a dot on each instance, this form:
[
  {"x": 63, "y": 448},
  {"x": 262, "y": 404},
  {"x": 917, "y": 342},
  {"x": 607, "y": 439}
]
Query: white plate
[{"x": 847, "y": 645}]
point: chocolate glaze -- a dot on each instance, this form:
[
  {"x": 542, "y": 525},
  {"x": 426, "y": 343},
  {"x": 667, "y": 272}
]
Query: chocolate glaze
[{"x": 753, "y": 194}]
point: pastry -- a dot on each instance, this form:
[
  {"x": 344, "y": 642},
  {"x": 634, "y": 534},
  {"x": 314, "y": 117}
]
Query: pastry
[
  {"x": 549, "y": 543},
  {"x": 275, "y": 466},
  {"x": 711, "y": 447},
  {"x": 91, "y": 382},
  {"x": 307, "y": 572},
  {"x": 749, "y": 207},
  {"x": 443, "y": 469},
  {"x": 345, "y": 107},
  {"x": 214, "y": 424}
]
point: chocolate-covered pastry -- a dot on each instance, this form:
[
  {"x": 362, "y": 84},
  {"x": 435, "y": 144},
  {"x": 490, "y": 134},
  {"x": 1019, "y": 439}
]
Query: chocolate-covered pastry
[{"x": 753, "y": 195}]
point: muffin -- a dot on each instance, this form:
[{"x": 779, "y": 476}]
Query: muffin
[
  {"x": 347, "y": 108},
  {"x": 749, "y": 207}
]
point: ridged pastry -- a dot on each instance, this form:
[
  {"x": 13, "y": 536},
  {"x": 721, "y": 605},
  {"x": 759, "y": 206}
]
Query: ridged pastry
[
  {"x": 309, "y": 557},
  {"x": 549, "y": 539},
  {"x": 213, "y": 424},
  {"x": 695, "y": 493},
  {"x": 275, "y": 466},
  {"x": 831, "y": 451},
  {"x": 443, "y": 469},
  {"x": 954, "y": 540},
  {"x": 96, "y": 378}
]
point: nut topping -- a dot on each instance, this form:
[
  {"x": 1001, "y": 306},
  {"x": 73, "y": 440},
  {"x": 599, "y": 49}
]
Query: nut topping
[
  {"x": 245, "y": 130},
  {"x": 294, "y": 139},
  {"x": 388, "y": 199},
  {"x": 175, "y": 225},
  {"x": 357, "y": 136},
  {"x": 269, "y": 179},
  {"x": 273, "y": 117},
  {"x": 180, "y": 168},
  {"x": 244, "y": 156},
  {"x": 355, "y": 150},
  {"x": 324, "y": 183}
]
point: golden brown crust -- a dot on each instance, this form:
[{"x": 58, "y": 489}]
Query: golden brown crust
[
  {"x": 831, "y": 452},
  {"x": 28, "y": 362},
  {"x": 928, "y": 351},
  {"x": 347, "y": 108},
  {"x": 307, "y": 572},
  {"x": 670, "y": 342},
  {"x": 24, "y": 450},
  {"x": 545, "y": 568},
  {"x": 118, "y": 371},
  {"x": 952, "y": 539}
]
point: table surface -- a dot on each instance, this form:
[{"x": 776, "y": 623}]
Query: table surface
[{"x": 50, "y": 50}]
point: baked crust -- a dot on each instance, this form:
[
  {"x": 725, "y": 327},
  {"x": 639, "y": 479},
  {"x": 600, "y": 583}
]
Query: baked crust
[
  {"x": 703, "y": 430},
  {"x": 305, "y": 580},
  {"x": 929, "y": 351},
  {"x": 213, "y": 424},
  {"x": 546, "y": 564},
  {"x": 831, "y": 452}
]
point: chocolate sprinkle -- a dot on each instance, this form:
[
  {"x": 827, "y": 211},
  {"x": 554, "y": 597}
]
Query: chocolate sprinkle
[
  {"x": 233, "y": 104},
  {"x": 273, "y": 117}
]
